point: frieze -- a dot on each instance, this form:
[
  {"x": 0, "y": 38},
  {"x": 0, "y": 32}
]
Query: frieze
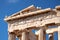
[{"x": 33, "y": 20}]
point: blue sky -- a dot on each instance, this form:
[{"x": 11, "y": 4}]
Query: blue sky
[{"x": 8, "y": 7}]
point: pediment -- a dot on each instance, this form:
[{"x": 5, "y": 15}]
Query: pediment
[
  {"x": 30, "y": 8},
  {"x": 29, "y": 11}
]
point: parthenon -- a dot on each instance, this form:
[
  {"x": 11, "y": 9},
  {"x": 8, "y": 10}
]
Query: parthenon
[{"x": 45, "y": 21}]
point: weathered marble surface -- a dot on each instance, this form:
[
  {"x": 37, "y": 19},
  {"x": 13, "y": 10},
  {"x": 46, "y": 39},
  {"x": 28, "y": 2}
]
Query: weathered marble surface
[
  {"x": 33, "y": 21},
  {"x": 22, "y": 23}
]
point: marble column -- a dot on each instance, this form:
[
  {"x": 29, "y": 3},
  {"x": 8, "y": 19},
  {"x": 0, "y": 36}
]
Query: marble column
[
  {"x": 19, "y": 38},
  {"x": 44, "y": 35},
  {"x": 23, "y": 36},
  {"x": 11, "y": 36},
  {"x": 58, "y": 32},
  {"x": 27, "y": 36},
  {"x": 41, "y": 34},
  {"x": 51, "y": 36}
]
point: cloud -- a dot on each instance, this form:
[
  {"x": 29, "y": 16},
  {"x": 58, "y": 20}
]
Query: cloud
[{"x": 13, "y": 1}]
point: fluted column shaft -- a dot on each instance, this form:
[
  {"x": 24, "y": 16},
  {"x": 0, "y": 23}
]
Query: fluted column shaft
[
  {"x": 41, "y": 35},
  {"x": 11, "y": 36},
  {"x": 23, "y": 36},
  {"x": 19, "y": 38},
  {"x": 58, "y": 32}
]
